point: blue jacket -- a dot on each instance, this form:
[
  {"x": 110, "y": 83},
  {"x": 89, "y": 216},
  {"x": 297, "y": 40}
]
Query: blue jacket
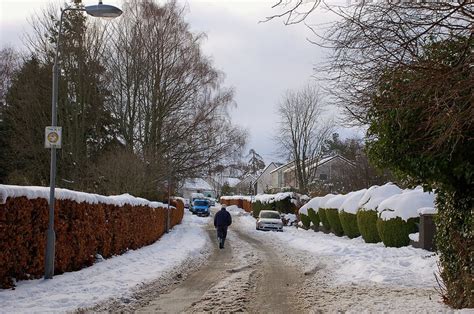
[{"x": 222, "y": 219}]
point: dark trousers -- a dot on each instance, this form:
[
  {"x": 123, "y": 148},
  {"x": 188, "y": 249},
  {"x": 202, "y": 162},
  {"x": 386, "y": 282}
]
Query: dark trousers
[{"x": 221, "y": 232}]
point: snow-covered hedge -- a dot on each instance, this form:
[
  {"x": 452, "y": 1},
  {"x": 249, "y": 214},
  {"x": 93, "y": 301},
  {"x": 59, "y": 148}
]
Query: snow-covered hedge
[
  {"x": 348, "y": 211},
  {"x": 398, "y": 215},
  {"x": 332, "y": 213},
  {"x": 85, "y": 225},
  {"x": 407, "y": 204},
  {"x": 322, "y": 211},
  {"x": 358, "y": 213},
  {"x": 286, "y": 202},
  {"x": 367, "y": 214}
]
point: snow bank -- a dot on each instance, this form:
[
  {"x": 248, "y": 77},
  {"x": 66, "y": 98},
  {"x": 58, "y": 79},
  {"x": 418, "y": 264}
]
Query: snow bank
[
  {"x": 414, "y": 236},
  {"x": 406, "y": 204},
  {"x": 376, "y": 194},
  {"x": 351, "y": 204},
  {"x": 335, "y": 202},
  {"x": 235, "y": 210},
  {"x": 353, "y": 260},
  {"x": 313, "y": 203},
  {"x": 32, "y": 192}
]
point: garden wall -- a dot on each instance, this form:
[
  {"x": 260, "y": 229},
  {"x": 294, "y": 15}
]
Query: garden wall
[{"x": 85, "y": 225}]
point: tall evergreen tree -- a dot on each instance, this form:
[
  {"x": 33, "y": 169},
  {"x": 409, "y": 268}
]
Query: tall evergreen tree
[
  {"x": 24, "y": 118},
  {"x": 255, "y": 162}
]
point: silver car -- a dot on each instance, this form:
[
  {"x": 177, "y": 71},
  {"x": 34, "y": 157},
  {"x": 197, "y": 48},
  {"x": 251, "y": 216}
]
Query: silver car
[{"x": 269, "y": 220}]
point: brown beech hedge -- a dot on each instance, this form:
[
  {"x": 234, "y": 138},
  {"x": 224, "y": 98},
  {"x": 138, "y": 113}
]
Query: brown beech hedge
[
  {"x": 82, "y": 231},
  {"x": 239, "y": 202}
]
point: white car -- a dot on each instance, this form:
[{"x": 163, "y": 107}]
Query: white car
[{"x": 269, "y": 220}]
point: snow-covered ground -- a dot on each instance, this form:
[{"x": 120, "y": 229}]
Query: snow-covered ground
[
  {"x": 114, "y": 277},
  {"x": 355, "y": 263}
]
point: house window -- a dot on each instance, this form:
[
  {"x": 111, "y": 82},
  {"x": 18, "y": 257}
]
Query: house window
[{"x": 323, "y": 177}]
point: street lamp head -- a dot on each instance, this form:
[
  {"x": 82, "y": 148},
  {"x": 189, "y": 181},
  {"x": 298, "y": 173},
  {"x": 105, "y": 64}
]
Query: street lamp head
[{"x": 103, "y": 10}]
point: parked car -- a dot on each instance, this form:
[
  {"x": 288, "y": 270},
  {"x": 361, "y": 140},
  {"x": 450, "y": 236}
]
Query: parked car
[
  {"x": 194, "y": 196},
  {"x": 201, "y": 207},
  {"x": 269, "y": 220},
  {"x": 212, "y": 201}
]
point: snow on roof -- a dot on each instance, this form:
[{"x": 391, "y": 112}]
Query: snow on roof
[
  {"x": 376, "y": 194},
  {"x": 32, "y": 192},
  {"x": 197, "y": 184},
  {"x": 406, "y": 204},
  {"x": 322, "y": 161},
  {"x": 282, "y": 166},
  {"x": 313, "y": 203},
  {"x": 232, "y": 181},
  {"x": 336, "y": 201},
  {"x": 351, "y": 204}
]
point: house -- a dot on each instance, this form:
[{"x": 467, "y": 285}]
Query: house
[
  {"x": 246, "y": 186},
  {"x": 327, "y": 169},
  {"x": 263, "y": 182},
  {"x": 218, "y": 181},
  {"x": 197, "y": 185},
  {"x": 278, "y": 182}
]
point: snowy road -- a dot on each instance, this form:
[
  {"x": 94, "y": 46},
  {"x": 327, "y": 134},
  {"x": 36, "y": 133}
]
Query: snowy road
[
  {"x": 246, "y": 276},
  {"x": 258, "y": 272}
]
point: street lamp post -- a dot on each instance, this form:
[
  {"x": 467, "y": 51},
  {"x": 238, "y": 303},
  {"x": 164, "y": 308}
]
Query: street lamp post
[{"x": 99, "y": 10}]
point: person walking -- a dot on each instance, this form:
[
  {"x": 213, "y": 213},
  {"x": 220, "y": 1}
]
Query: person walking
[{"x": 222, "y": 220}]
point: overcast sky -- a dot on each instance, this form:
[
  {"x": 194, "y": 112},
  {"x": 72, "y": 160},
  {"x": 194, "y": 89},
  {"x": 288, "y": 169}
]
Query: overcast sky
[{"x": 260, "y": 60}]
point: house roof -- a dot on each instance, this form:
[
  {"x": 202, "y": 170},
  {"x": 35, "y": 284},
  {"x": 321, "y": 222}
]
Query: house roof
[
  {"x": 272, "y": 163},
  {"x": 247, "y": 178},
  {"x": 326, "y": 160},
  {"x": 232, "y": 181},
  {"x": 282, "y": 166},
  {"x": 197, "y": 184}
]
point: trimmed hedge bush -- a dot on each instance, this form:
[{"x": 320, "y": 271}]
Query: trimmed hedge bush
[
  {"x": 349, "y": 224},
  {"x": 305, "y": 221},
  {"x": 324, "y": 219},
  {"x": 394, "y": 232},
  {"x": 82, "y": 231},
  {"x": 285, "y": 206},
  {"x": 332, "y": 215},
  {"x": 314, "y": 217},
  {"x": 258, "y": 206},
  {"x": 367, "y": 224}
]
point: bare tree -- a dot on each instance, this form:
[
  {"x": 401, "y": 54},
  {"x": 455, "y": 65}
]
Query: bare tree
[
  {"x": 368, "y": 37},
  {"x": 303, "y": 130},
  {"x": 171, "y": 107}
]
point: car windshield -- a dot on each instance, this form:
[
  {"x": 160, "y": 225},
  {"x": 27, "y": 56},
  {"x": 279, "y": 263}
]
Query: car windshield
[
  {"x": 269, "y": 215},
  {"x": 200, "y": 203}
]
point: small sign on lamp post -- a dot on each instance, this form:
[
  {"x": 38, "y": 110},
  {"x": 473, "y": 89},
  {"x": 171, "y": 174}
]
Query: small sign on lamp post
[{"x": 52, "y": 137}]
